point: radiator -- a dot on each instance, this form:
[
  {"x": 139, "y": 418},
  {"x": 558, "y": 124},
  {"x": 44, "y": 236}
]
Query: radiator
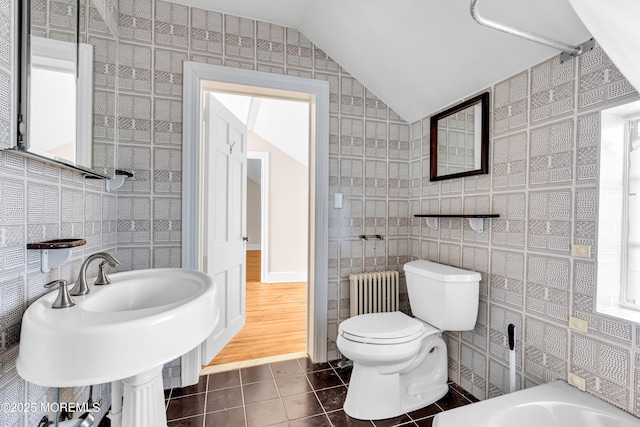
[{"x": 374, "y": 292}]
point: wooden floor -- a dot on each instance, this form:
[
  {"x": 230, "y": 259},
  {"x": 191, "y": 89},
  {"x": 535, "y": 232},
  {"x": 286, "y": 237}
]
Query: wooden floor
[{"x": 276, "y": 319}]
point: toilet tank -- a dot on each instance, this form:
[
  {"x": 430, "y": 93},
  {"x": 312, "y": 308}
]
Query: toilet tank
[{"x": 443, "y": 296}]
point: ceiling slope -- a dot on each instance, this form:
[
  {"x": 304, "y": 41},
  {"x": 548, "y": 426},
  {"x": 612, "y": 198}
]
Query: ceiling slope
[{"x": 419, "y": 56}]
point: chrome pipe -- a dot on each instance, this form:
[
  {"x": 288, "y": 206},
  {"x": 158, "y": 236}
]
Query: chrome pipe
[{"x": 566, "y": 48}]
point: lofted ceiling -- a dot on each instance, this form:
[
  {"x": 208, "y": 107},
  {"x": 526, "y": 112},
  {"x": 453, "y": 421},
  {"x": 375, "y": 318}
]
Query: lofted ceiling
[
  {"x": 419, "y": 56},
  {"x": 282, "y": 123}
]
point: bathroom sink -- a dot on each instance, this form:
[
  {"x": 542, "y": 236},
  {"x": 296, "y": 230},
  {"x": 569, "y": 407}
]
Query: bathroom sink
[
  {"x": 149, "y": 293},
  {"x": 143, "y": 319}
]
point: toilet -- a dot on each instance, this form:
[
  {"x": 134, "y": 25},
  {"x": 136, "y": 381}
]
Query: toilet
[{"x": 400, "y": 362}]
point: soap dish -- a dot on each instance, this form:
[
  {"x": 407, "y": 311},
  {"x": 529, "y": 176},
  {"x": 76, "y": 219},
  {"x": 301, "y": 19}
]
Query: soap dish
[{"x": 56, "y": 252}]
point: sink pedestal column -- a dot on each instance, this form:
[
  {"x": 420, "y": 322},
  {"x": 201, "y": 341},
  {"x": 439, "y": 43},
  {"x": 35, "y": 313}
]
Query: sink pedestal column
[
  {"x": 115, "y": 413},
  {"x": 142, "y": 400}
]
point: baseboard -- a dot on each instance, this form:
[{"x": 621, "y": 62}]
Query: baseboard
[
  {"x": 254, "y": 247},
  {"x": 286, "y": 277}
]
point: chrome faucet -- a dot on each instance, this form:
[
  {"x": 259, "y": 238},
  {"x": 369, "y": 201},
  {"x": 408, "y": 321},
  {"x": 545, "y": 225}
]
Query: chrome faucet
[
  {"x": 63, "y": 300},
  {"x": 81, "y": 287}
]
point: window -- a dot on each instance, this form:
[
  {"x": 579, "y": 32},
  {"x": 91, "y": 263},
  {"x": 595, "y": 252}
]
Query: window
[
  {"x": 631, "y": 227},
  {"x": 619, "y": 213}
]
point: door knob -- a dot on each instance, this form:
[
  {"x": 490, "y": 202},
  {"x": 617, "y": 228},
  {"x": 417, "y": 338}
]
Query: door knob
[{"x": 245, "y": 238}]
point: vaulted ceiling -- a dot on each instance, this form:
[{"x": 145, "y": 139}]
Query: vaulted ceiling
[{"x": 419, "y": 56}]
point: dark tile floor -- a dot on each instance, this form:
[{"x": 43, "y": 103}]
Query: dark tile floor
[{"x": 292, "y": 393}]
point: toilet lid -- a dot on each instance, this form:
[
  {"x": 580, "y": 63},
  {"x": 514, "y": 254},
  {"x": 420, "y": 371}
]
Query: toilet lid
[{"x": 383, "y": 328}]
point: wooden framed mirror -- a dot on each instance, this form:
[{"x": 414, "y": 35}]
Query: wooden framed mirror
[{"x": 460, "y": 140}]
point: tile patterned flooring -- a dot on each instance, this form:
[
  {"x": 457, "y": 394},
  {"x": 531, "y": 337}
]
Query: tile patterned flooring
[{"x": 292, "y": 393}]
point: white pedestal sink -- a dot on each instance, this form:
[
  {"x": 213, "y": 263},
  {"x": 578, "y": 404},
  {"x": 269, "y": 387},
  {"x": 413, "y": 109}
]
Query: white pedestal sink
[{"x": 123, "y": 333}]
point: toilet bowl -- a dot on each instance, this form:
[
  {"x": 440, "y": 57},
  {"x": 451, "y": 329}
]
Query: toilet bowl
[
  {"x": 399, "y": 361},
  {"x": 400, "y": 364}
]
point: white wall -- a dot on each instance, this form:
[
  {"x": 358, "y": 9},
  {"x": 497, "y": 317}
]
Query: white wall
[
  {"x": 254, "y": 206},
  {"x": 288, "y": 211}
]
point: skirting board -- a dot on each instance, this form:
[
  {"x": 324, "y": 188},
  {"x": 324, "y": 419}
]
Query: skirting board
[
  {"x": 286, "y": 277},
  {"x": 254, "y": 247}
]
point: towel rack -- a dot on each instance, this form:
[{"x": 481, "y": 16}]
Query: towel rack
[
  {"x": 476, "y": 221},
  {"x": 568, "y": 51},
  {"x": 371, "y": 236}
]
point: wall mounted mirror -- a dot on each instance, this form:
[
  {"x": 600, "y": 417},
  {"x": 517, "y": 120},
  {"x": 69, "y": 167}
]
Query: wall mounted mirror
[
  {"x": 460, "y": 140},
  {"x": 68, "y": 52}
]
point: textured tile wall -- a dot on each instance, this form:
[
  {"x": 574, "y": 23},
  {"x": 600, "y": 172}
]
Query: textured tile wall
[
  {"x": 369, "y": 144},
  {"x": 39, "y": 201},
  {"x": 7, "y": 77},
  {"x": 543, "y": 182}
]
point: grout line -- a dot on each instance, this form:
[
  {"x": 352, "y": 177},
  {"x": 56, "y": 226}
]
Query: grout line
[
  {"x": 313, "y": 389},
  {"x": 273, "y": 377},
  {"x": 206, "y": 396},
  {"x": 324, "y": 411},
  {"x": 275, "y": 383},
  {"x": 185, "y": 418},
  {"x": 244, "y": 406},
  {"x": 204, "y": 408},
  {"x": 341, "y": 380},
  {"x": 460, "y": 393},
  {"x": 166, "y": 406}
]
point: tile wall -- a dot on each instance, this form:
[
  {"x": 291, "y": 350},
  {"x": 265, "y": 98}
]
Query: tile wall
[
  {"x": 368, "y": 141},
  {"x": 369, "y": 144},
  {"x": 543, "y": 182},
  {"x": 39, "y": 201}
]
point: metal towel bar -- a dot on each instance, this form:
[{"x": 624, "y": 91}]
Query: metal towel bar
[
  {"x": 568, "y": 51},
  {"x": 371, "y": 236}
]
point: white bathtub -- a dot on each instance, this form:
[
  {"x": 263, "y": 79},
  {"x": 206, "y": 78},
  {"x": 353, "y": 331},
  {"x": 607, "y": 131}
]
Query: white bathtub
[{"x": 555, "y": 404}]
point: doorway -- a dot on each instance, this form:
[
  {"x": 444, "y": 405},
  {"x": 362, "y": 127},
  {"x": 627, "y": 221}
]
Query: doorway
[
  {"x": 277, "y": 227},
  {"x": 196, "y": 76}
]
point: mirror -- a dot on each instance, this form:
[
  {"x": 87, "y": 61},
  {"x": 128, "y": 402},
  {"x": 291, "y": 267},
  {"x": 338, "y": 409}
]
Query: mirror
[
  {"x": 68, "y": 84},
  {"x": 460, "y": 140}
]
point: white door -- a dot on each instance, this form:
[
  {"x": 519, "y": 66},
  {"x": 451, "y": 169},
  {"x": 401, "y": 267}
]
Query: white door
[{"x": 224, "y": 219}]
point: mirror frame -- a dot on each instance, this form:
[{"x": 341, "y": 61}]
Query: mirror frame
[
  {"x": 23, "y": 54},
  {"x": 483, "y": 100}
]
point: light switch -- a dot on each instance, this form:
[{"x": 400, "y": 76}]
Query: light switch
[{"x": 337, "y": 200}]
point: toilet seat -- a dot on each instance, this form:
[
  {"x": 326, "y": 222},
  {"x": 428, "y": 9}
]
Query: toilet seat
[
  {"x": 384, "y": 328},
  {"x": 400, "y": 363}
]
